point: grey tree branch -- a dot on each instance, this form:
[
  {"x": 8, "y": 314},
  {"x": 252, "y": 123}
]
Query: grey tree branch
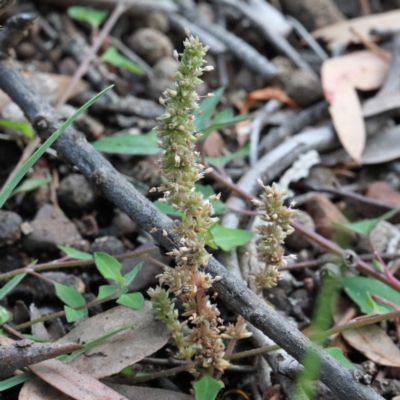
[{"x": 73, "y": 147}]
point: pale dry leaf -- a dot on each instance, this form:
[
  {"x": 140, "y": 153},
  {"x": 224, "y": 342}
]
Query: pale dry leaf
[
  {"x": 375, "y": 344},
  {"x": 339, "y": 34},
  {"x": 118, "y": 351},
  {"x": 341, "y": 77},
  {"x": 214, "y": 145},
  {"x": 348, "y": 121},
  {"x": 379, "y": 149},
  {"x": 70, "y": 381}
]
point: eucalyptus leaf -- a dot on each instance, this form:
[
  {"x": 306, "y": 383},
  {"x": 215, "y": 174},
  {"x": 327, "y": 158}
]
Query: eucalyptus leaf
[
  {"x": 338, "y": 355},
  {"x": 29, "y": 185},
  {"x": 4, "y": 316},
  {"x": 358, "y": 288},
  {"x": 207, "y": 388},
  {"x": 227, "y": 238},
  {"x": 144, "y": 144},
  {"x": 206, "y": 109},
  {"x": 106, "y": 290},
  {"x": 132, "y": 300},
  {"x": 109, "y": 267},
  {"x": 114, "y": 57},
  {"x": 365, "y": 226},
  {"x": 75, "y": 254},
  {"x": 10, "y": 285},
  {"x": 84, "y": 14},
  {"x": 23, "y": 127},
  {"x": 73, "y": 315},
  {"x": 220, "y": 161},
  {"x": 131, "y": 275}
]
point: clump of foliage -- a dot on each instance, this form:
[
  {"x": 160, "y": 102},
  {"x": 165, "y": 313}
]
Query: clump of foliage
[{"x": 187, "y": 282}]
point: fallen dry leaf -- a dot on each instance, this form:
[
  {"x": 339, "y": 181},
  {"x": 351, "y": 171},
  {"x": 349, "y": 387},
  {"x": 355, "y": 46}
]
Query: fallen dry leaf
[
  {"x": 68, "y": 380},
  {"x": 340, "y": 76},
  {"x": 214, "y": 145},
  {"x": 264, "y": 94},
  {"x": 374, "y": 343},
  {"x": 379, "y": 149},
  {"x": 339, "y": 34},
  {"x": 118, "y": 351}
]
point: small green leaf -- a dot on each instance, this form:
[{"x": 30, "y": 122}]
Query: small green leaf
[
  {"x": 370, "y": 301},
  {"x": 131, "y": 275},
  {"x": 207, "y": 388},
  {"x": 132, "y": 300},
  {"x": 127, "y": 371},
  {"x": 23, "y": 127},
  {"x": 10, "y": 285},
  {"x": 223, "y": 119},
  {"x": 365, "y": 226},
  {"x": 166, "y": 209},
  {"x": 106, "y": 290},
  {"x": 338, "y": 355},
  {"x": 227, "y": 238},
  {"x": 378, "y": 266},
  {"x": 109, "y": 267},
  {"x": 114, "y": 57},
  {"x": 4, "y": 316},
  {"x": 73, "y": 315},
  {"x": 207, "y": 106},
  {"x": 145, "y": 144},
  {"x": 69, "y": 295},
  {"x": 23, "y": 169},
  {"x": 75, "y": 254},
  {"x": 29, "y": 185},
  {"x": 220, "y": 161},
  {"x": 84, "y": 14},
  {"x": 219, "y": 206},
  {"x": 16, "y": 380},
  {"x": 358, "y": 288}
]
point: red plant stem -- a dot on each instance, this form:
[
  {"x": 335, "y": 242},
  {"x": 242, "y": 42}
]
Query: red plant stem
[
  {"x": 327, "y": 244},
  {"x": 388, "y": 273}
]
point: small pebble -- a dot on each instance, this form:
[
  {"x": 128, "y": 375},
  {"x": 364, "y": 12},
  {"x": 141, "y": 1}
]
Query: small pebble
[
  {"x": 150, "y": 44},
  {"x": 50, "y": 228},
  {"x": 108, "y": 244},
  {"x": 75, "y": 193},
  {"x": 10, "y": 231}
]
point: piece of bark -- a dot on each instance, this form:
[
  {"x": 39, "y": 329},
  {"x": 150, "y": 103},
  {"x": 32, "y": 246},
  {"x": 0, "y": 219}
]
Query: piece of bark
[{"x": 26, "y": 352}]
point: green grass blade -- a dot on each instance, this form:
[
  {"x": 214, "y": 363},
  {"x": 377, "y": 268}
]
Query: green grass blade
[{"x": 23, "y": 169}]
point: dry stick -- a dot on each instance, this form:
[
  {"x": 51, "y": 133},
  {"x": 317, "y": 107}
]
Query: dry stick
[
  {"x": 276, "y": 39},
  {"x": 356, "y": 323},
  {"x": 74, "y": 148},
  {"x": 343, "y": 193},
  {"x": 383, "y": 54},
  {"x": 26, "y": 352},
  {"x": 118, "y": 10},
  {"x": 75, "y": 263}
]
